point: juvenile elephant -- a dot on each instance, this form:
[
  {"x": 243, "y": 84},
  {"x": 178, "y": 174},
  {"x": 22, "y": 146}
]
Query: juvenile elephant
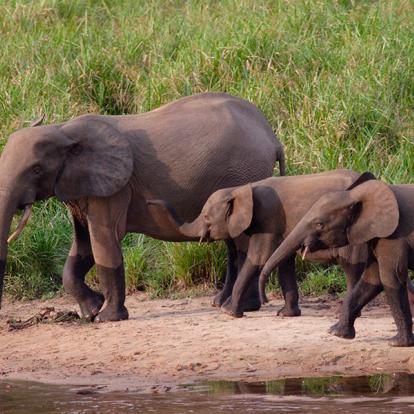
[
  {"x": 374, "y": 213},
  {"x": 257, "y": 217},
  {"x": 105, "y": 167},
  {"x": 352, "y": 260}
]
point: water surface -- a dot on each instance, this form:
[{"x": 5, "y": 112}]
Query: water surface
[{"x": 383, "y": 393}]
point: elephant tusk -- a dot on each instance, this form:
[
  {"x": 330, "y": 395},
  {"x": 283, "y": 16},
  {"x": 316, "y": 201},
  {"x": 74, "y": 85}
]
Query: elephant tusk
[
  {"x": 204, "y": 236},
  {"x": 304, "y": 252},
  {"x": 38, "y": 121},
  {"x": 23, "y": 221}
]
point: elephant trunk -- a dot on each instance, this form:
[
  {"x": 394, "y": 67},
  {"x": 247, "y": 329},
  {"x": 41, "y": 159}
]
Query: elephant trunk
[
  {"x": 195, "y": 229},
  {"x": 7, "y": 209},
  {"x": 285, "y": 250}
]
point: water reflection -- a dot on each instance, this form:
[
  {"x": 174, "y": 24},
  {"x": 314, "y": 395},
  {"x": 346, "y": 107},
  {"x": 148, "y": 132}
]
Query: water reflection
[
  {"x": 373, "y": 385},
  {"x": 393, "y": 393}
]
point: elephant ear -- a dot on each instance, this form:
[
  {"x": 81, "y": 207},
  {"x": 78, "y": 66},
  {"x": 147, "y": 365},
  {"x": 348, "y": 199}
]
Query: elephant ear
[
  {"x": 241, "y": 210},
  {"x": 98, "y": 160},
  {"x": 377, "y": 213},
  {"x": 366, "y": 176}
]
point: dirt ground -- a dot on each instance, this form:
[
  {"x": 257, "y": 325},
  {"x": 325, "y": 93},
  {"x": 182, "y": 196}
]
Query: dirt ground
[{"x": 166, "y": 343}]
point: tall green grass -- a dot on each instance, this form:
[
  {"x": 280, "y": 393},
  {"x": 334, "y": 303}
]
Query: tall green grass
[{"x": 334, "y": 78}]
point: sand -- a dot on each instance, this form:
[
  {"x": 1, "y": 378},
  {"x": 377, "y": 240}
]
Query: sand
[{"x": 166, "y": 343}]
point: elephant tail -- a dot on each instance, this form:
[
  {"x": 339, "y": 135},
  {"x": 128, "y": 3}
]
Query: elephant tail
[{"x": 281, "y": 158}]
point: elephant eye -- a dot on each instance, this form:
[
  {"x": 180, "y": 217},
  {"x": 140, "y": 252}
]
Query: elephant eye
[
  {"x": 76, "y": 149},
  {"x": 319, "y": 225},
  {"x": 37, "y": 169}
]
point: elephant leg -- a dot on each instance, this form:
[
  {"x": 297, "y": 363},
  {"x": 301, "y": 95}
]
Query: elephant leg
[
  {"x": 107, "y": 224},
  {"x": 110, "y": 271},
  {"x": 235, "y": 261},
  {"x": 365, "y": 290},
  {"x": 410, "y": 290},
  {"x": 78, "y": 263},
  {"x": 393, "y": 269},
  {"x": 235, "y": 304},
  {"x": 289, "y": 285},
  {"x": 231, "y": 275},
  {"x": 410, "y": 286},
  {"x": 400, "y": 309},
  {"x": 112, "y": 280},
  {"x": 251, "y": 301},
  {"x": 245, "y": 294},
  {"x": 353, "y": 273}
]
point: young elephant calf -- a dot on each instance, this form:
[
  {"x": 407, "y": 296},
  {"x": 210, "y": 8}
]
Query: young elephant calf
[
  {"x": 374, "y": 213},
  {"x": 257, "y": 217}
]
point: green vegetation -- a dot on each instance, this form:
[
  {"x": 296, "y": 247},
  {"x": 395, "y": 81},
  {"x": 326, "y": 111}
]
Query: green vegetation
[
  {"x": 334, "y": 386},
  {"x": 334, "y": 78}
]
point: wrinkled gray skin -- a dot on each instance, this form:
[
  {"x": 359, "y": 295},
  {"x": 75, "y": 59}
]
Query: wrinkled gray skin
[
  {"x": 105, "y": 167},
  {"x": 257, "y": 217},
  {"x": 352, "y": 260},
  {"x": 373, "y": 213}
]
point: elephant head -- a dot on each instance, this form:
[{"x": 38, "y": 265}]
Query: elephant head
[
  {"x": 83, "y": 157},
  {"x": 357, "y": 215},
  {"x": 226, "y": 214}
]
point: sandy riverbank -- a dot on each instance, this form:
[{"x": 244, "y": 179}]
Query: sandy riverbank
[{"x": 170, "y": 342}]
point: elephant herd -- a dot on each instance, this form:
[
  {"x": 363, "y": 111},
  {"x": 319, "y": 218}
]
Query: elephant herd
[{"x": 200, "y": 168}]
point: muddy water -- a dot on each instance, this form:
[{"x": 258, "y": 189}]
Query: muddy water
[{"x": 384, "y": 393}]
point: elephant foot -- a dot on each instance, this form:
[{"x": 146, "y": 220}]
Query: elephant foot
[
  {"x": 228, "y": 308},
  {"x": 347, "y": 332},
  {"x": 91, "y": 306},
  {"x": 112, "y": 314},
  {"x": 402, "y": 340},
  {"x": 251, "y": 301},
  {"x": 265, "y": 299},
  {"x": 220, "y": 299},
  {"x": 289, "y": 312},
  {"x": 252, "y": 305}
]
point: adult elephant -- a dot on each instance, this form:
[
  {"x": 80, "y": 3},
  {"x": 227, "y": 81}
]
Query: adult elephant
[{"x": 105, "y": 167}]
